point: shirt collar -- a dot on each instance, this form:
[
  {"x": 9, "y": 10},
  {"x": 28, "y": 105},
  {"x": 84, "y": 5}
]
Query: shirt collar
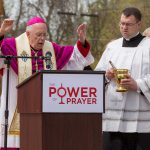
[{"x": 132, "y": 36}]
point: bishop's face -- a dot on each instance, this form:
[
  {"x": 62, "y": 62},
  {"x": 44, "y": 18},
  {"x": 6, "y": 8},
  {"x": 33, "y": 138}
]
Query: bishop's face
[
  {"x": 37, "y": 35},
  {"x": 129, "y": 26}
]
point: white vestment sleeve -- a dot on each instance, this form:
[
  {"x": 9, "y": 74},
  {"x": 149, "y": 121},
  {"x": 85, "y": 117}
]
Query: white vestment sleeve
[
  {"x": 13, "y": 140},
  {"x": 1, "y": 66},
  {"x": 77, "y": 61},
  {"x": 144, "y": 81},
  {"x": 103, "y": 62},
  {"x": 144, "y": 85}
]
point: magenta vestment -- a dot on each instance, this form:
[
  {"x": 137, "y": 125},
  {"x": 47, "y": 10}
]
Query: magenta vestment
[{"x": 63, "y": 54}]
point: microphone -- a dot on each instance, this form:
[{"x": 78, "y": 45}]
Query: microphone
[{"x": 48, "y": 61}]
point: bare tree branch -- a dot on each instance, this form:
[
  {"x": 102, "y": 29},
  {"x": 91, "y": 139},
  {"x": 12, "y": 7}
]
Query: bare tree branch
[{"x": 19, "y": 15}]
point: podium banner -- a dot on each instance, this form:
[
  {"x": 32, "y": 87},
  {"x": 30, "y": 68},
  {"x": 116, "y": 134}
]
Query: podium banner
[{"x": 73, "y": 92}]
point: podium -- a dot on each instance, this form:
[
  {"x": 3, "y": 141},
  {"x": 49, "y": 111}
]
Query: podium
[{"x": 41, "y": 130}]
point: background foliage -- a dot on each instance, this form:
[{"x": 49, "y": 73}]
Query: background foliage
[{"x": 102, "y": 17}]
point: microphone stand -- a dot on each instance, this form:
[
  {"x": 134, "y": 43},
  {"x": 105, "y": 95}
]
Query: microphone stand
[{"x": 7, "y": 61}]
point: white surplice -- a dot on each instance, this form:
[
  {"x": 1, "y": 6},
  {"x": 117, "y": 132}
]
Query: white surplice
[{"x": 129, "y": 111}]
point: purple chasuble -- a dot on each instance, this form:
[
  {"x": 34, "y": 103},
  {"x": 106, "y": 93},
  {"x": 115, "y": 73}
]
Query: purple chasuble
[{"x": 62, "y": 53}]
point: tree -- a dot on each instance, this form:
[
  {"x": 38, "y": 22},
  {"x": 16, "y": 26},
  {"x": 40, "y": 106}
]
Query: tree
[
  {"x": 1, "y": 8},
  {"x": 58, "y": 26},
  {"x": 106, "y": 27},
  {"x": 2, "y": 12},
  {"x": 102, "y": 28},
  {"x": 96, "y": 27}
]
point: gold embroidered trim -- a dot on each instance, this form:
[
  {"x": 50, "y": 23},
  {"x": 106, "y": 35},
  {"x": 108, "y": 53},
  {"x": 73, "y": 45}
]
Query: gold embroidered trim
[{"x": 25, "y": 70}]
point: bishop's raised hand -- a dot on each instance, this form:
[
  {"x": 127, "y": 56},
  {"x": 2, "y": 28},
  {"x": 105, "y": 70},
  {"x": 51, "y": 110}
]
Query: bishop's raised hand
[
  {"x": 81, "y": 31},
  {"x": 6, "y": 26}
]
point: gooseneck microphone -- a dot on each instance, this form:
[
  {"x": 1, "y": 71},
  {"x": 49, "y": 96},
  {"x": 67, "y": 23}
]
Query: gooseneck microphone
[{"x": 48, "y": 61}]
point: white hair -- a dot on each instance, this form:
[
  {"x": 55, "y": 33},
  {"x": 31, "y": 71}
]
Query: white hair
[
  {"x": 28, "y": 28},
  {"x": 147, "y": 32}
]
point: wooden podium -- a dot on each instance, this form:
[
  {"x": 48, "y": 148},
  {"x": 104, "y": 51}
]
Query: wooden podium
[{"x": 54, "y": 131}]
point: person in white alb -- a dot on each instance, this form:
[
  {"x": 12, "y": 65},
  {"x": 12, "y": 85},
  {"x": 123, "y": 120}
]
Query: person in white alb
[{"x": 126, "y": 121}]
